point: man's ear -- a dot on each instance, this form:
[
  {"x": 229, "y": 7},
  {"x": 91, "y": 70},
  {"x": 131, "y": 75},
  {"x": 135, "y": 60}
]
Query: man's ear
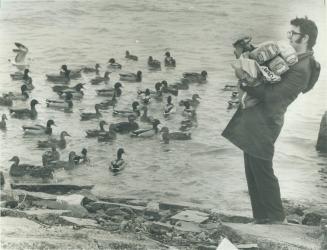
[{"x": 305, "y": 38}]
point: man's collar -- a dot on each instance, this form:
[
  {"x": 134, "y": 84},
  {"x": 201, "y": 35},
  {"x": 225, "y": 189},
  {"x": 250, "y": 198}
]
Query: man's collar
[{"x": 305, "y": 54}]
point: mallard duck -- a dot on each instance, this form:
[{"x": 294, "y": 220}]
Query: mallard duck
[
  {"x": 50, "y": 157},
  {"x": 21, "y": 52},
  {"x": 126, "y": 127},
  {"x": 75, "y": 94},
  {"x": 145, "y": 96},
  {"x": 168, "y": 89},
  {"x": 144, "y": 117},
  {"x": 82, "y": 159},
  {"x": 89, "y": 116},
  {"x": 61, "y": 143},
  {"x": 19, "y": 170},
  {"x": 25, "y": 112},
  {"x": 166, "y": 135},
  {"x": 29, "y": 83},
  {"x": 67, "y": 104},
  {"x": 3, "y": 124},
  {"x": 196, "y": 77},
  {"x": 111, "y": 91},
  {"x": 188, "y": 111},
  {"x": 119, "y": 164},
  {"x": 39, "y": 129},
  {"x": 153, "y": 64},
  {"x": 96, "y": 132},
  {"x": 106, "y": 104},
  {"x": 67, "y": 165},
  {"x": 18, "y": 76},
  {"x": 125, "y": 113},
  {"x": 6, "y": 101},
  {"x": 169, "y": 108},
  {"x": 113, "y": 64},
  {"x": 182, "y": 84},
  {"x": 92, "y": 70},
  {"x": 228, "y": 87},
  {"x": 131, "y": 77},
  {"x": 73, "y": 74},
  {"x": 23, "y": 96},
  {"x": 107, "y": 135},
  {"x": 169, "y": 61},
  {"x": 147, "y": 132},
  {"x": 99, "y": 79},
  {"x": 63, "y": 77},
  {"x": 194, "y": 102},
  {"x": 129, "y": 56},
  {"x": 60, "y": 88}
]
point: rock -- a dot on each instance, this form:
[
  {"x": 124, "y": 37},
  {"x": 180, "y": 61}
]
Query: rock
[
  {"x": 51, "y": 188},
  {"x": 205, "y": 247},
  {"x": 234, "y": 218},
  {"x": 160, "y": 228},
  {"x": 322, "y": 136},
  {"x": 186, "y": 226},
  {"x": 311, "y": 219},
  {"x": 294, "y": 219},
  {"x": 174, "y": 206},
  {"x": 247, "y": 246},
  {"x": 152, "y": 211},
  {"x": 225, "y": 244},
  {"x": 95, "y": 206},
  {"x": 80, "y": 222},
  {"x": 73, "y": 203},
  {"x": 192, "y": 216}
]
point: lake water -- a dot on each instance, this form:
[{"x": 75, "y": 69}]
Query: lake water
[{"x": 206, "y": 171}]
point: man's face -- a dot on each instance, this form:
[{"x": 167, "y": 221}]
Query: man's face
[{"x": 296, "y": 38}]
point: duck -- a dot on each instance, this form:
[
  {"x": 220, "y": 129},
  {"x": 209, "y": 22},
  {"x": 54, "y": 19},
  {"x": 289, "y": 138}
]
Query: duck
[
  {"x": 144, "y": 117},
  {"x": 23, "y": 96},
  {"x": 63, "y": 77},
  {"x": 108, "y": 103},
  {"x": 188, "y": 111},
  {"x": 126, "y": 127},
  {"x": 39, "y": 129},
  {"x": 61, "y": 143},
  {"x": 233, "y": 104},
  {"x": 169, "y": 61},
  {"x": 125, "y": 113},
  {"x": 29, "y": 83},
  {"x": 182, "y": 84},
  {"x": 108, "y": 135},
  {"x": 73, "y": 74},
  {"x": 169, "y": 108},
  {"x": 75, "y": 94},
  {"x": 18, "y": 76},
  {"x": 229, "y": 87},
  {"x": 67, "y": 165},
  {"x": 50, "y": 157},
  {"x": 131, "y": 77},
  {"x": 147, "y": 132},
  {"x": 194, "y": 102},
  {"x": 82, "y": 159},
  {"x": 89, "y": 116},
  {"x": 118, "y": 164},
  {"x": 234, "y": 96},
  {"x": 129, "y": 56},
  {"x": 158, "y": 91},
  {"x": 145, "y": 96},
  {"x": 196, "y": 77},
  {"x": 66, "y": 104},
  {"x": 113, "y": 64},
  {"x": 21, "y": 52},
  {"x": 6, "y": 101},
  {"x": 111, "y": 91},
  {"x": 92, "y": 70},
  {"x": 96, "y": 132},
  {"x": 153, "y": 64},
  {"x": 19, "y": 170},
  {"x": 100, "y": 79},
  {"x": 3, "y": 124},
  {"x": 168, "y": 89},
  {"x": 166, "y": 135},
  {"x": 61, "y": 88},
  {"x": 25, "y": 112}
]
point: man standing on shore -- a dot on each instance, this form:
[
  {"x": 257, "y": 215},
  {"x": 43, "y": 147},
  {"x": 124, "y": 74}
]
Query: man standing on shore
[{"x": 255, "y": 130}]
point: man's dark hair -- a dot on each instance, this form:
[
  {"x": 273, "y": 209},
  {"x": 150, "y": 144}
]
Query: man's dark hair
[{"x": 307, "y": 27}]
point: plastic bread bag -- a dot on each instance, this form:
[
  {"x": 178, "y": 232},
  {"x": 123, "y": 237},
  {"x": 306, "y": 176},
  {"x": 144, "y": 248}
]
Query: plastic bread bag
[
  {"x": 246, "y": 70},
  {"x": 268, "y": 75},
  {"x": 265, "y": 52},
  {"x": 287, "y": 52},
  {"x": 278, "y": 65}
]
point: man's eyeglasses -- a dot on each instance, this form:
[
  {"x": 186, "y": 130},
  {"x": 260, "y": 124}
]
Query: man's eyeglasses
[{"x": 292, "y": 33}]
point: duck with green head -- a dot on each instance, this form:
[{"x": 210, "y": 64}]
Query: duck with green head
[
  {"x": 196, "y": 77},
  {"x": 125, "y": 113},
  {"x": 64, "y": 105},
  {"x": 147, "y": 132},
  {"x": 116, "y": 90},
  {"x": 96, "y": 132},
  {"x": 89, "y": 116},
  {"x": 131, "y": 77},
  {"x": 25, "y": 112},
  {"x": 118, "y": 164},
  {"x": 130, "y": 56},
  {"x": 39, "y": 129},
  {"x": 99, "y": 79},
  {"x": 108, "y": 136},
  {"x": 59, "y": 143}
]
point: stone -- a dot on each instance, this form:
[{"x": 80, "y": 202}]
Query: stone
[
  {"x": 80, "y": 222},
  {"x": 247, "y": 246},
  {"x": 234, "y": 218},
  {"x": 95, "y": 206},
  {"x": 311, "y": 219},
  {"x": 51, "y": 188},
  {"x": 171, "y": 205},
  {"x": 225, "y": 244},
  {"x": 322, "y": 136},
  {"x": 192, "y": 216},
  {"x": 186, "y": 226},
  {"x": 294, "y": 219},
  {"x": 160, "y": 228},
  {"x": 73, "y": 203}
]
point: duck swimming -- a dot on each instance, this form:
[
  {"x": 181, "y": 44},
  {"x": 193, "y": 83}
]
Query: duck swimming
[
  {"x": 25, "y": 112},
  {"x": 39, "y": 129},
  {"x": 153, "y": 64},
  {"x": 21, "y": 52},
  {"x": 89, "y": 116},
  {"x": 108, "y": 135},
  {"x": 96, "y": 132},
  {"x": 119, "y": 164},
  {"x": 233, "y": 104},
  {"x": 169, "y": 108},
  {"x": 126, "y": 127},
  {"x": 108, "y": 103},
  {"x": 63, "y": 77},
  {"x": 99, "y": 79},
  {"x": 61, "y": 143},
  {"x": 166, "y": 135},
  {"x": 67, "y": 165},
  {"x": 73, "y": 74},
  {"x": 144, "y": 117},
  {"x": 66, "y": 105},
  {"x": 18, "y": 76},
  {"x": 194, "y": 102},
  {"x": 23, "y": 96},
  {"x": 168, "y": 89},
  {"x": 75, "y": 94},
  {"x": 61, "y": 88},
  {"x": 147, "y": 132},
  {"x": 183, "y": 84},
  {"x": 131, "y": 77},
  {"x": 19, "y": 170},
  {"x": 82, "y": 159},
  {"x": 129, "y": 56},
  {"x": 6, "y": 101},
  {"x": 228, "y": 87},
  {"x": 125, "y": 113},
  {"x": 113, "y": 64},
  {"x": 169, "y": 61},
  {"x": 50, "y": 157},
  {"x": 92, "y": 70},
  {"x": 196, "y": 77},
  {"x": 145, "y": 96},
  {"x": 116, "y": 90},
  {"x": 3, "y": 124}
]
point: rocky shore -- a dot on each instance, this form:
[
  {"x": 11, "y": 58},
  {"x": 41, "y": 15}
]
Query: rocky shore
[{"x": 73, "y": 218}]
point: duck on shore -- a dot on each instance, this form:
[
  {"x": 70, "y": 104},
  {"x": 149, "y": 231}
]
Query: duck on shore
[
  {"x": 131, "y": 77},
  {"x": 196, "y": 77},
  {"x": 39, "y": 129},
  {"x": 25, "y": 112},
  {"x": 89, "y": 116},
  {"x": 125, "y": 113},
  {"x": 147, "y": 132},
  {"x": 3, "y": 124},
  {"x": 99, "y": 79},
  {"x": 126, "y": 127},
  {"x": 61, "y": 143},
  {"x": 112, "y": 64},
  {"x": 130, "y": 56},
  {"x": 169, "y": 61},
  {"x": 108, "y": 136},
  {"x": 96, "y": 132},
  {"x": 118, "y": 164}
]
